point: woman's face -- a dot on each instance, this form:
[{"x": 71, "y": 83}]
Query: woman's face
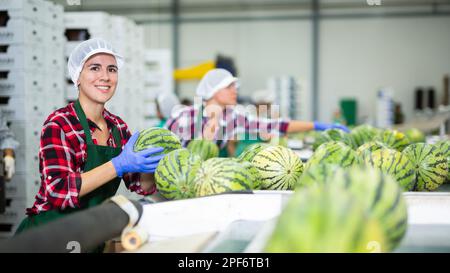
[
  {"x": 227, "y": 96},
  {"x": 98, "y": 78}
]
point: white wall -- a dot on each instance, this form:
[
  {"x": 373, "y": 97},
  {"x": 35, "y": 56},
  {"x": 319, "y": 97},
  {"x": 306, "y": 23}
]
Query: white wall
[{"x": 359, "y": 56}]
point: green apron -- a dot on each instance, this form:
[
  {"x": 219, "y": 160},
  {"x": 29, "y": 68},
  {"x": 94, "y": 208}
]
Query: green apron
[
  {"x": 243, "y": 144},
  {"x": 96, "y": 156},
  {"x": 223, "y": 152},
  {"x": 161, "y": 123}
]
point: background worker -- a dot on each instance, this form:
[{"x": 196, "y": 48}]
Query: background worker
[
  {"x": 216, "y": 120},
  {"x": 165, "y": 104},
  {"x": 7, "y": 166}
]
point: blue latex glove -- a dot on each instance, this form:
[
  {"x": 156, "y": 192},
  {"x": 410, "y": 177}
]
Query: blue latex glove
[
  {"x": 143, "y": 161},
  {"x": 320, "y": 126}
]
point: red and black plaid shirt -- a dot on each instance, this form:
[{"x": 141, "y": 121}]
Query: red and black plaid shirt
[
  {"x": 233, "y": 125},
  {"x": 62, "y": 155}
]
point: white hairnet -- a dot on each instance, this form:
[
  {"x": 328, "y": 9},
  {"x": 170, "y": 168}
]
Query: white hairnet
[
  {"x": 166, "y": 103},
  {"x": 213, "y": 81},
  {"x": 85, "y": 50}
]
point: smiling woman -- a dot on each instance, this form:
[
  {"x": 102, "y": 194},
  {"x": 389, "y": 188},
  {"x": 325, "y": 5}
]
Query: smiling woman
[
  {"x": 98, "y": 79},
  {"x": 85, "y": 150}
]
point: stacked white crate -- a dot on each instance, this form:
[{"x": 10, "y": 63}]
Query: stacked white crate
[
  {"x": 90, "y": 25},
  {"x": 138, "y": 76},
  {"x": 31, "y": 84},
  {"x": 158, "y": 79}
]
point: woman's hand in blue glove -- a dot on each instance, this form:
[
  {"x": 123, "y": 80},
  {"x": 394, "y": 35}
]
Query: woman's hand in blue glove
[
  {"x": 129, "y": 161},
  {"x": 320, "y": 126}
]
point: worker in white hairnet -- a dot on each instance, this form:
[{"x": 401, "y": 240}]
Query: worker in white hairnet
[
  {"x": 8, "y": 144},
  {"x": 166, "y": 104},
  {"x": 85, "y": 151},
  {"x": 215, "y": 119}
]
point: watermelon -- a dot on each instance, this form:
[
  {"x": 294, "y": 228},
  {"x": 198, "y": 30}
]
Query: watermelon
[
  {"x": 415, "y": 135},
  {"x": 254, "y": 172},
  {"x": 218, "y": 175},
  {"x": 395, "y": 164},
  {"x": 333, "y": 135},
  {"x": 430, "y": 166},
  {"x": 249, "y": 153},
  {"x": 364, "y": 150},
  {"x": 206, "y": 149},
  {"x": 279, "y": 167},
  {"x": 363, "y": 133},
  {"x": 379, "y": 194},
  {"x": 157, "y": 137},
  {"x": 318, "y": 219},
  {"x": 333, "y": 152},
  {"x": 393, "y": 139},
  {"x": 444, "y": 146},
  {"x": 175, "y": 174},
  {"x": 317, "y": 175}
]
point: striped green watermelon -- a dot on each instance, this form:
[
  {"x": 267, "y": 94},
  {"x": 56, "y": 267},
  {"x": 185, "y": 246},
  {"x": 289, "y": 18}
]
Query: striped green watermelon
[
  {"x": 206, "y": 149},
  {"x": 279, "y": 167},
  {"x": 363, "y": 133},
  {"x": 395, "y": 164},
  {"x": 157, "y": 137},
  {"x": 254, "y": 172},
  {"x": 333, "y": 135},
  {"x": 333, "y": 152},
  {"x": 444, "y": 146},
  {"x": 415, "y": 135},
  {"x": 175, "y": 174},
  {"x": 321, "y": 220},
  {"x": 393, "y": 139},
  {"x": 381, "y": 195},
  {"x": 367, "y": 148},
  {"x": 249, "y": 153},
  {"x": 430, "y": 166},
  {"x": 317, "y": 175},
  {"x": 219, "y": 175}
]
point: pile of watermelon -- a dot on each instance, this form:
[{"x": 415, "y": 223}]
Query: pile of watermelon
[
  {"x": 347, "y": 196},
  {"x": 197, "y": 170},
  {"x": 370, "y": 172},
  {"x": 336, "y": 209},
  {"x": 416, "y": 166}
]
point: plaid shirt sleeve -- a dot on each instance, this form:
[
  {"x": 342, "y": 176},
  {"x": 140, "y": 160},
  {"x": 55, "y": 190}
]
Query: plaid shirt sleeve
[
  {"x": 262, "y": 125},
  {"x": 133, "y": 180},
  {"x": 57, "y": 165},
  {"x": 184, "y": 126}
]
